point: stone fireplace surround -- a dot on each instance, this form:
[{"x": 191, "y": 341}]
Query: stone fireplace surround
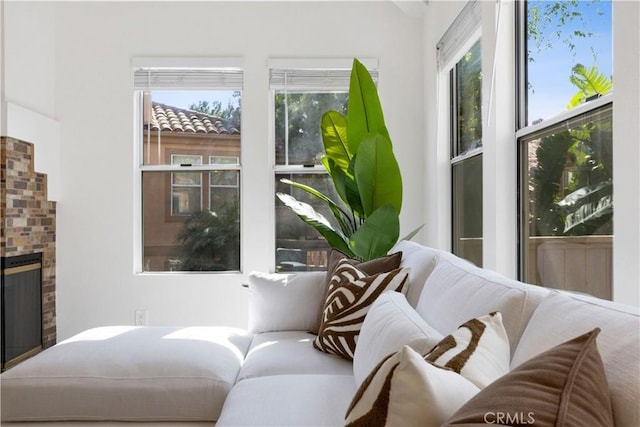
[{"x": 28, "y": 221}]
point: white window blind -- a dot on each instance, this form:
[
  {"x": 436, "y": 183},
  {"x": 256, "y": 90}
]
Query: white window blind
[
  {"x": 293, "y": 75},
  {"x": 179, "y": 73},
  {"x": 197, "y": 79},
  {"x": 459, "y": 33}
]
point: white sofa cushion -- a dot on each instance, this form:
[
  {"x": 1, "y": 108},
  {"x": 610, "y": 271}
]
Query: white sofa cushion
[
  {"x": 288, "y": 400},
  {"x": 562, "y": 316},
  {"x": 406, "y": 390},
  {"x": 478, "y": 350},
  {"x": 390, "y": 324},
  {"x": 285, "y": 302},
  {"x": 127, "y": 373},
  {"x": 278, "y": 353},
  {"x": 457, "y": 291},
  {"x": 421, "y": 260}
]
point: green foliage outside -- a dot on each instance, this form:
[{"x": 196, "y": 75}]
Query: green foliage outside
[
  {"x": 573, "y": 180},
  {"x": 547, "y": 23},
  {"x": 210, "y": 241},
  {"x": 590, "y": 84},
  {"x": 469, "y": 94},
  {"x": 231, "y": 112},
  {"x": 302, "y": 113}
]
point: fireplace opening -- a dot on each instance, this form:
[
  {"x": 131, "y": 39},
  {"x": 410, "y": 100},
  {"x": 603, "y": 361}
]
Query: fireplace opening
[{"x": 21, "y": 305}]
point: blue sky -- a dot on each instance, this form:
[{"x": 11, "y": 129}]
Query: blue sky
[
  {"x": 550, "y": 71},
  {"x": 183, "y": 99}
]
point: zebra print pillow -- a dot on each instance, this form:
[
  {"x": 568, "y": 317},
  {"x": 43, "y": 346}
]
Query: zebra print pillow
[
  {"x": 406, "y": 390},
  {"x": 374, "y": 266},
  {"x": 351, "y": 294},
  {"x": 478, "y": 350}
]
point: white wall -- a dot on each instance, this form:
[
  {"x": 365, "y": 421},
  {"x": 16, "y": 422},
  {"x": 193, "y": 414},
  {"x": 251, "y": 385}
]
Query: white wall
[
  {"x": 28, "y": 107},
  {"x": 626, "y": 155},
  {"x": 437, "y": 196},
  {"x": 499, "y": 158},
  {"x": 95, "y": 42}
]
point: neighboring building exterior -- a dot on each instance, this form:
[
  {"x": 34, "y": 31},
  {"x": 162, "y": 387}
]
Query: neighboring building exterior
[{"x": 180, "y": 137}]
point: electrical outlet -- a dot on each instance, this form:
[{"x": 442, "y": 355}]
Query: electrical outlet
[{"x": 140, "y": 317}]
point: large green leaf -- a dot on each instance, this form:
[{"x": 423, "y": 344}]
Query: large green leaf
[
  {"x": 345, "y": 186},
  {"x": 308, "y": 214},
  {"x": 342, "y": 217},
  {"x": 334, "y": 137},
  {"x": 364, "y": 112},
  {"x": 378, "y": 175},
  {"x": 338, "y": 176},
  {"x": 352, "y": 191},
  {"x": 377, "y": 234}
]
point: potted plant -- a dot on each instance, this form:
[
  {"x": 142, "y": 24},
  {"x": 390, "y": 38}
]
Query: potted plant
[{"x": 360, "y": 160}]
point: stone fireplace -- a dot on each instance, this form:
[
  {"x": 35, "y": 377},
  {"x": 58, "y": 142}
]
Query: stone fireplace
[{"x": 28, "y": 222}]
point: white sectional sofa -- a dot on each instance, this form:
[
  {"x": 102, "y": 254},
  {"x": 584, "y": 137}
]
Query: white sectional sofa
[{"x": 272, "y": 375}]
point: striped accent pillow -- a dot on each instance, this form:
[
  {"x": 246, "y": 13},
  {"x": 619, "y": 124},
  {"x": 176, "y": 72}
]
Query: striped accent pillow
[
  {"x": 478, "y": 350},
  {"x": 351, "y": 294},
  {"x": 406, "y": 390}
]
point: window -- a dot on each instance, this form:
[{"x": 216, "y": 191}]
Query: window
[
  {"x": 459, "y": 56},
  {"x": 188, "y": 145},
  {"x": 300, "y": 96},
  {"x": 565, "y": 145}
]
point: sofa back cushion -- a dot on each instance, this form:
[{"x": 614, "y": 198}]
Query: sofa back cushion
[
  {"x": 562, "y": 316},
  {"x": 285, "y": 302},
  {"x": 421, "y": 260},
  {"x": 457, "y": 291}
]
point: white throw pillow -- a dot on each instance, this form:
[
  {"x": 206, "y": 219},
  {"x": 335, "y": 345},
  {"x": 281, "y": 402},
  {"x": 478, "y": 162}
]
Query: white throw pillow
[
  {"x": 478, "y": 350},
  {"x": 285, "y": 302},
  {"x": 390, "y": 324},
  {"x": 405, "y": 390}
]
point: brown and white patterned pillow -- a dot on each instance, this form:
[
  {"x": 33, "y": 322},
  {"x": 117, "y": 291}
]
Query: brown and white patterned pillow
[
  {"x": 478, "y": 350},
  {"x": 374, "y": 266},
  {"x": 351, "y": 294},
  {"x": 406, "y": 390}
]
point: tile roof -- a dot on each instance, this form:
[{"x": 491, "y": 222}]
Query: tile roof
[{"x": 172, "y": 119}]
